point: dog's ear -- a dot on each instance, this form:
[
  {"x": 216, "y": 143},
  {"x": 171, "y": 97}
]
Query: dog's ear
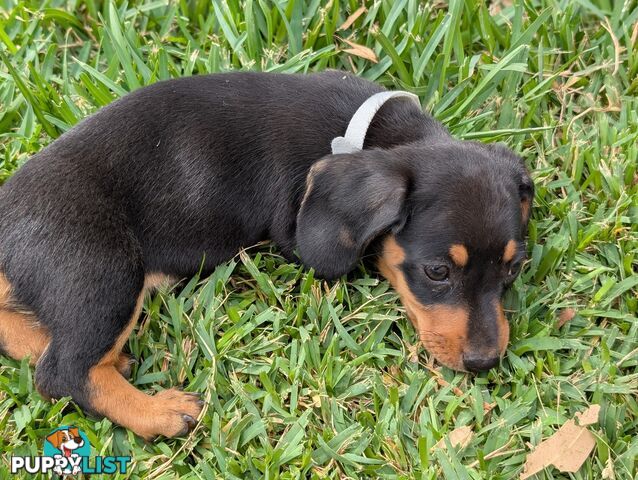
[
  {"x": 56, "y": 438},
  {"x": 349, "y": 200},
  {"x": 74, "y": 432}
]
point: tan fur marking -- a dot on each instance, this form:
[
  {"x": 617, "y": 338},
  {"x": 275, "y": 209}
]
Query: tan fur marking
[
  {"x": 148, "y": 416},
  {"x": 459, "y": 255},
  {"x": 525, "y": 210},
  {"x": 20, "y": 334},
  {"x": 124, "y": 364},
  {"x": 442, "y": 328},
  {"x": 345, "y": 237},
  {"x": 315, "y": 169},
  {"x": 510, "y": 251},
  {"x": 5, "y": 291},
  {"x": 157, "y": 280},
  {"x": 319, "y": 166},
  {"x": 503, "y": 329},
  {"x": 151, "y": 281},
  {"x": 113, "y": 356},
  {"x": 114, "y": 397}
]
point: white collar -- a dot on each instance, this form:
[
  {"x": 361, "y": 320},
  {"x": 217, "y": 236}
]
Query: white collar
[{"x": 352, "y": 141}]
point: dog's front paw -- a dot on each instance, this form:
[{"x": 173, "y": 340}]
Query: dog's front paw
[{"x": 174, "y": 414}]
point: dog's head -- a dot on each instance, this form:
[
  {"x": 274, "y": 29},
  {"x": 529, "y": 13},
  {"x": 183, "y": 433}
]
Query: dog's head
[
  {"x": 69, "y": 438},
  {"x": 451, "y": 221}
]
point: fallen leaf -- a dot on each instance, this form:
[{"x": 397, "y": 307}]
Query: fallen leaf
[
  {"x": 565, "y": 316},
  {"x": 488, "y": 407},
  {"x": 444, "y": 383},
  {"x": 589, "y": 416},
  {"x": 361, "y": 51},
  {"x": 567, "y": 449},
  {"x": 352, "y": 18},
  {"x": 459, "y": 437}
]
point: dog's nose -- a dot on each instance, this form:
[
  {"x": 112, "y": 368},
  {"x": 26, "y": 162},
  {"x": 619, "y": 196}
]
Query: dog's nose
[
  {"x": 78, "y": 439},
  {"x": 475, "y": 363}
]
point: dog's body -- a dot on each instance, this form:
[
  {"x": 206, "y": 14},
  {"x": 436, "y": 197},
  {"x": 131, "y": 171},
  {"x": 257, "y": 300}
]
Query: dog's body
[{"x": 186, "y": 172}]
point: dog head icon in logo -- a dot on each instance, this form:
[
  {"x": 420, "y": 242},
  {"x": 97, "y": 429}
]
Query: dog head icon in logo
[
  {"x": 69, "y": 443},
  {"x": 67, "y": 452}
]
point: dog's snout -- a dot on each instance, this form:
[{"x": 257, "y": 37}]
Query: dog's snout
[{"x": 479, "y": 363}]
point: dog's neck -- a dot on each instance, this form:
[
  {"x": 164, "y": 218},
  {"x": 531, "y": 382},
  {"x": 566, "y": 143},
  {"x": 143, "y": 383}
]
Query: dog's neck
[
  {"x": 399, "y": 123},
  {"x": 357, "y": 129}
]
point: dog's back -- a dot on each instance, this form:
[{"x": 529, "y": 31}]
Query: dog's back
[{"x": 180, "y": 159}]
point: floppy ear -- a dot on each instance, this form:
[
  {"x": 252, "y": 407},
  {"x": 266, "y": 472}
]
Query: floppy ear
[
  {"x": 349, "y": 200},
  {"x": 56, "y": 438}
]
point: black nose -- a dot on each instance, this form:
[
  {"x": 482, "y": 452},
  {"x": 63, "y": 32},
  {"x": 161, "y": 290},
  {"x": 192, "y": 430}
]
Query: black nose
[
  {"x": 78, "y": 439},
  {"x": 479, "y": 364}
]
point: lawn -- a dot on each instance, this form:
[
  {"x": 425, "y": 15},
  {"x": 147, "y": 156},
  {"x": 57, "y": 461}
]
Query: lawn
[{"x": 311, "y": 379}]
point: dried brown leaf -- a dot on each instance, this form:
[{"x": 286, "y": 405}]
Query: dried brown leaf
[
  {"x": 459, "y": 437},
  {"x": 589, "y": 416},
  {"x": 352, "y": 18},
  {"x": 488, "y": 407},
  {"x": 361, "y": 51},
  {"x": 565, "y": 316},
  {"x": 444, "y": 383},
  {"x": 567, "y": 449}
]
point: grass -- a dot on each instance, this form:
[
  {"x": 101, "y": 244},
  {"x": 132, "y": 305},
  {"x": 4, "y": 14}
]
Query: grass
[{"x": 308, "y": 379}]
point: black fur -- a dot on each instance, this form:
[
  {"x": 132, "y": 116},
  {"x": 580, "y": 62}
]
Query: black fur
[{"x": 196, "y": 168}]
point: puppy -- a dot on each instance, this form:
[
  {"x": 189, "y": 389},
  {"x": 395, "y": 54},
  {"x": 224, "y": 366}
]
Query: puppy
[{"x": 191, "y": 170}]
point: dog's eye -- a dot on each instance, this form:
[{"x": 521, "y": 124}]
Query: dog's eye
[
  {"x": 438, "y": 273},
  {"x": 514, "y": 268}
]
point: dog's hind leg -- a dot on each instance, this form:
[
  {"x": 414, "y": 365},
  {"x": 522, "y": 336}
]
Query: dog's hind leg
[
  {"x": 83, "y": 276},
  {"x": 169, "y": 413},
  {"x": 21, "y": 335},
  {"x": 82, "y": 359}
]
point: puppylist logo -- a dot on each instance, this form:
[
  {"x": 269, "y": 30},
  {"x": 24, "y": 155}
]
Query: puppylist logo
[{"x": 67, "y": 451}]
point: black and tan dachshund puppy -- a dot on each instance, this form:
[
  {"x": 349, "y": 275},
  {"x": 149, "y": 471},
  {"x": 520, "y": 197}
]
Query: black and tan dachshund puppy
[{"x": 189, "y": 171}]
